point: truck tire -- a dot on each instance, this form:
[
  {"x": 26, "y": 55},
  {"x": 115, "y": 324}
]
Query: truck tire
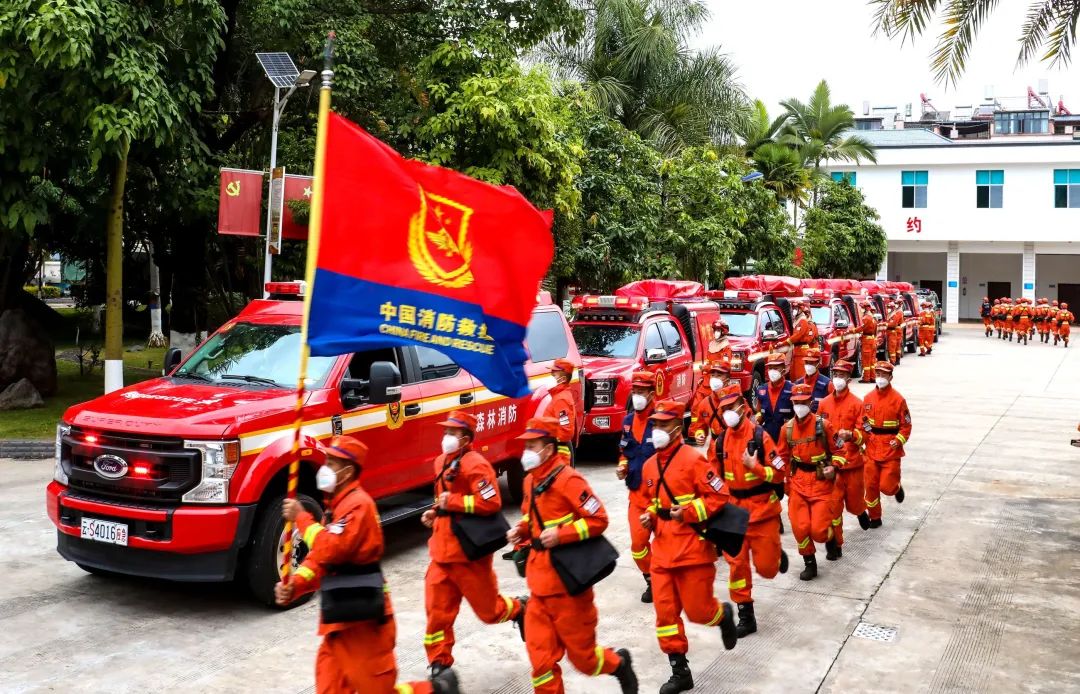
[
  {"x": 912, "y": 346},
  {"x": 515, "y": 481},
  {"x": 756, "y": 380},
  {"x": 857, "y": 371},
  {"x": 262, "y": 557}
]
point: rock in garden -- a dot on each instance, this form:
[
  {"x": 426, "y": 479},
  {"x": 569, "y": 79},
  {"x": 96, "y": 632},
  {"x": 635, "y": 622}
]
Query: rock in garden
[
  {"x": 26, "y": 352},
  {"x": 20, "y": 395}
]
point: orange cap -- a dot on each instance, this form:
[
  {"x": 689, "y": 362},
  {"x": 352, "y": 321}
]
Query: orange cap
[
  {"x": 643, "y": 379},
  {"x": 460, "y": 420},
  {"x": 843, "y": 366},
  {"x": 729, "y": 394},
  {"x": 541, "y": 427},
  {"x": 564, "y": 365},
  {"x": 347, "y": 448},
  {"x": 801, "y": 392},
  {"x": 884, "y": 367},
  {"x": 775, "y": 359},
  {"x": 722, "y": 365},
  {"x": 666, "y": 410},
  {"x": 812, "y": 355}
]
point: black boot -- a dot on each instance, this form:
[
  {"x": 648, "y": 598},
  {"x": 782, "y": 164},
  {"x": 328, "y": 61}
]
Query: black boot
[
  {"x": 445, "y": 682},
  {"x": 832, "y": 550},
  {"x": 728, "y": 632},
  {"x": 781, "y": 526},
  {"x": 625, "y": 673},
  {"x": 681, "y": 679},
  {"x": 520, "y": 619},
  {"x": 875, "y": 523},
  {"x": 647, "y": 595},
  {"x": 436, "y": 669},
  {"x": 864, "y": 520},
  {"x": 900, "y": 495},
  {"x": 810, "y": 572},
  {"x": 509, "y": 556},
  {"x": 747, "y": 621},
  {"x": 783, "y": 562}
]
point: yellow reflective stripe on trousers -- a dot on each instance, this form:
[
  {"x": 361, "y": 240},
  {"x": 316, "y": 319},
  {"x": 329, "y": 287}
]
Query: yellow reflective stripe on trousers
[
  {"x": 901, "y": 439},
  {"x": 804, "y": 543},
  {"x": 403, "y": 689},
  {"x": 872, "y": 504},
  {"x": 737, "y": 585},
  {"x": 543, "y": 679},
  {"x": 305, "y": 573},
  {"x": 559, "y": 521},
  {"x": 582, "y": 529},
  {"x": 640, "y": 555},
  {"x": 509, "y": 608},
  {"x": 699, "y": 507},
  {"x": 719, "y": 615},
  {"x": 837, "y": 521},
  {"x": 438, "y": 636},
  {"x": 599, "y": 661},
  {"x": 309, "y": 534},
  {"x": 669, "y": 630},
  {"x": 470, "y": 503}
]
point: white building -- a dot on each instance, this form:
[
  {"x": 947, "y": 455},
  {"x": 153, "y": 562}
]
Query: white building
[{"x": 997, "y": 216}]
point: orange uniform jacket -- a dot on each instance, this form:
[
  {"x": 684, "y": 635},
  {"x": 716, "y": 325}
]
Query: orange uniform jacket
[
  {"x": 885, "y": 417},
  {"x": 844, "y": 410},
  {"x": 869, "y": 326},
  {"x": 699, "y": 489},
  {"x": 799, "y": 445},
  {"x": 804, "y": 333},
  {"x": 740, "y": 478},
  {"x": 1064, "y": 317},
  {"x": 351, "y": 535},
  {"x": 896, "y": 319},
  {"x": 927, "y": 320},
  {"x": 562, "y": 408},
  {"x": 569, "y": 504},
  {"x": 706, "y": 417},
  {"x": 473, "y": 488}
]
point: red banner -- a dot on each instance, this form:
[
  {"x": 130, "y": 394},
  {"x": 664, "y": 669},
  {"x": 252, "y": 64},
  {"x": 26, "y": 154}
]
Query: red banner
[
  {"x": 296, "y": 188},
  {"x": 240, "y": 202}
]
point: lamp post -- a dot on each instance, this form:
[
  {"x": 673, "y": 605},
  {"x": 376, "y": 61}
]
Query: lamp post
[{"x": 282, "y": 73}]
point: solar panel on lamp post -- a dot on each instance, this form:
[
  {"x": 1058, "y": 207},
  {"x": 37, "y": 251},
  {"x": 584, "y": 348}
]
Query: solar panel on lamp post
[{"x": 282, "y": 73}]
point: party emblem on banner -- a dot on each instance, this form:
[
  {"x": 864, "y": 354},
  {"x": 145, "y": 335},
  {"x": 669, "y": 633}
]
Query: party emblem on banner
[
  {"x": 232, "y": 189},
  {"x": 438, "y": 241}
]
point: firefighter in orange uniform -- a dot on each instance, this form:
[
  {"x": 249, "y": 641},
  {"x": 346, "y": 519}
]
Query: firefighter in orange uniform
[
  {"x": 1051, "y": 321},
  {"x": 706, "y": 420},
  {"x": 844, "y": 410},
  {"x": 804, "y": 334},
  {"x": 749, "y": 465},
  {"x": 927, "y": 328},
  {"x": 1042, "y": 319},
  {"x": 354, "y": 656},
  {"x": 1064, "y": 324},
  {"x": 805, "y": 445},
  {"x": 1023, "y": 321},
  {"x": 995, "y": 313},
  {"x": 635, "y": 447},
  {"x": 686, "y": 489},
  {"x": 562, "y": 406},
  {"x": 868, "y": 331},
  {"x": 895, "y": 336},
  {"x": 986, "y": 311},
  {"x": 719, "y": 349},
  {"x": 1009, "y": 318},
  {"x": 465, "y": 483},
  {"x": 886, "y": 429},
  {"x": 560, "y": 508}
]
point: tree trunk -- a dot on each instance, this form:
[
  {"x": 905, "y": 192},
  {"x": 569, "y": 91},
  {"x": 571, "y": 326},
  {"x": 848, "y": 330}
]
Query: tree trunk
[
  {"x": 157, "y": 338},
  {"x": 114, "y": 276}
]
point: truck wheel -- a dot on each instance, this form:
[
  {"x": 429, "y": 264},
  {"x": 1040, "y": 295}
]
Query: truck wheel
[
  {"x": 833, "y": 358},
  {"x": 515, "y": 481},
  {"x": 857, "y": 371},
  {"x": 911, "y": 346},
  {"x": 755, "y": 382},
  {"x": 266, "y": 553}
]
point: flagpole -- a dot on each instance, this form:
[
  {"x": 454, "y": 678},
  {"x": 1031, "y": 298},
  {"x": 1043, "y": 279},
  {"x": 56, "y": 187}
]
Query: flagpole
[{"x": 314, "y": 228}]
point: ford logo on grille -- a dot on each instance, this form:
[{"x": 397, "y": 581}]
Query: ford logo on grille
[{"x": 111, "y": 467}]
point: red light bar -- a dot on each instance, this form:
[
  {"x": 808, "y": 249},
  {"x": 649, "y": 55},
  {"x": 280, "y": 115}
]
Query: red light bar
[
  {"x": 633, "y": 303},
  {"x": 294, "y": 288},
  {"x": 91, "y": 438},
  {"x": 140, "y": 470}
]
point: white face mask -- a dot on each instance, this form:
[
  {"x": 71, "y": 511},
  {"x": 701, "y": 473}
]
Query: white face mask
[
  {"x": 839, "y": 383},
  {"x": 731, "y": 418},
  {"x": 660, "y": 439},
  {"x": 716, "y": 383},
  {"x": 811, "y": 369},
  {"x": 881, "y": 382},
  {"x": 530, "y": 459},
  {"x": 450, "y": 444},
  {"x": 326, "y": 479},
  {"x": 774, "y": 375},
  {"x": 802, "y": 410},
  {"x": 640, "y": 402}
]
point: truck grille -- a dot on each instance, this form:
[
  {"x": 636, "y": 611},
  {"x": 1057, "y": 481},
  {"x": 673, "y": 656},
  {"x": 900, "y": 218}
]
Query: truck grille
[{"x": 159, "y": 469}]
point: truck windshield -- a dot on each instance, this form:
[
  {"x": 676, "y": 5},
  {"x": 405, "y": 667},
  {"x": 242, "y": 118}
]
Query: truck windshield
[
  {"x": 615, "y": 341},
  {"x": 251, "y": 353},
  {"x": 821, "y": 315},
  {"x": 741, "y": 324}
]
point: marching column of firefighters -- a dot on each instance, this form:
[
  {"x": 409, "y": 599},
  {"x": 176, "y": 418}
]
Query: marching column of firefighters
[{"x": 1020, "y": 320}]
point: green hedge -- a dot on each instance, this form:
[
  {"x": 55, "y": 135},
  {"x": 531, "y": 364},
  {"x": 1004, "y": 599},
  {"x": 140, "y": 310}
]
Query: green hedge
[{"x": 47, "y": 291}]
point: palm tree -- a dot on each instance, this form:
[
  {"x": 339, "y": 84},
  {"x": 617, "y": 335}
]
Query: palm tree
[
  {"x": 755, "y": 128},
  {"x": 635, "y": 64},
  {"x": 784, "y": 172},
  {"x": 821, "y": 130},
  {"x": 1050, "y": 28}
]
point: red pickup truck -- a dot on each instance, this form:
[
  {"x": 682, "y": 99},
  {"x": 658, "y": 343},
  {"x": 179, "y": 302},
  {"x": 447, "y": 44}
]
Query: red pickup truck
[
  {"x": 758, "y": 325},
  {"x": 837, "y": 328},
  {"x": 182, "y": 477}
]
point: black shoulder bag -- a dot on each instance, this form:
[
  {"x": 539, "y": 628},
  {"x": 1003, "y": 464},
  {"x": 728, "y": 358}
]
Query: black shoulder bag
[
  {"x": 580, "y": 565},
  {"x": 352, "y": 593},
  {"x": 726, "y": 528},
  {"x": 479, "y": 536}
]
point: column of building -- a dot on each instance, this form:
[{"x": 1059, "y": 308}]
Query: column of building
[
  {"x": 952, "y": 283},
  {"x": 1028, "y": 272}
]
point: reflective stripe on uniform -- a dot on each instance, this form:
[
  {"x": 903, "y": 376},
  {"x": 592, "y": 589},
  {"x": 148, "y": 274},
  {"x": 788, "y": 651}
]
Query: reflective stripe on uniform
[
  {"x": 719, "y": 615},
  {"x": 684, "y": 499},
  {"x": 470, "y": 503},
  {"x": 543, "y": 679},
  {"x": 509, "y": 608},
  {"x": 737, "y": 585},
  {"x": 837, "y": 521},
  {"x": 839, "y": 460},
  {"x": 872, "y": 504},
  {"x": 309, "y": 534},
  {"x": 699, "y": 506},
  {"x": 750, "y": 477},
  {"x": 582, "y": 529},
  {"x": 559, "y": 521},
  {"x": 773, "y": 497},
  {"x": 403, "y": 689},
  {"x": 804, "y": 543},
  {"x": 438, "y": 636},
  {"x": 890, "y": 423},
  {"x": 729, "y": 475},
  {"x": 640, "y": 555},
  {"x": 599, "y": 661},
  {"x": 669, "y": 630},
  {"x": 305, "y": 573},
  {"x": 564, "y": 450},
  {"x": 525, "y": 518},
  {"x": 769, "y": 474},
  {"x": 901, "y": 439}
]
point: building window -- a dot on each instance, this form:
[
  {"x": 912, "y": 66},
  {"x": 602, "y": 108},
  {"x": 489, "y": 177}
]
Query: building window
[
  {"x": 914, "y": 188},
  {"x": 988, "y": 187},
  {"x": 1066, "y": 187},
  {"x": 848, "y": 176},
  {"x": 1021, "y": 122}
]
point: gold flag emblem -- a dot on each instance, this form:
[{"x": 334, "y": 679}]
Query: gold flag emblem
[
  {"x": 232, "y": 189},
  {"x": 393, "y": 415},
  {"x": 438, "y": 241}
]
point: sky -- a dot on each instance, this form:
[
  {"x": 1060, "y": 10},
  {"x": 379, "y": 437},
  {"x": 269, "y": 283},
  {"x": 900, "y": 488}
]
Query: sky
[{"x": 783, "y": 48}]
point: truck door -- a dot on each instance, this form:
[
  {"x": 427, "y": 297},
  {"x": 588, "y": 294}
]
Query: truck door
[
  {"x": 444, "y": 387},
  {"x": 842, "y": 322},
  {"x": 680, "y": 362}
]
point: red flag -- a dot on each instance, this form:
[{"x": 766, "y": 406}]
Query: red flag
[
  {"x": 240, "y": 202},
  {"x": 296, "y": 188},
  {"x": 416, "y": 254}
]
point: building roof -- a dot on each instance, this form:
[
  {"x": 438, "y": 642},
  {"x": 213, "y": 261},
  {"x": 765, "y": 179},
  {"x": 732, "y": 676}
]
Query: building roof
[{"x": 908, "y": 137}]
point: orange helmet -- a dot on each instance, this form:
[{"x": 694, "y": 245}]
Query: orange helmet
[
  {"x": 997, "y": 301},
  {"x": 986, "y": 298}
]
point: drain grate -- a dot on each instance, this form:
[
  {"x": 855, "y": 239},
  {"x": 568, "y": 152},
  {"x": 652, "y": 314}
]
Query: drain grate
[{"x": 875, "y": 632}]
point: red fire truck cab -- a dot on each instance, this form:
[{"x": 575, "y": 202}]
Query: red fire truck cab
[
  {"x": 758, "y": 325},
  {"x": 661, "y": 326},
  {"x": 182, "y": 477},
  {"x": 836, "y": 324}
]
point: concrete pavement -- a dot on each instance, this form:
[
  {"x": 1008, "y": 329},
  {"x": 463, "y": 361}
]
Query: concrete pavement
[{"x": 972, "y": 581}]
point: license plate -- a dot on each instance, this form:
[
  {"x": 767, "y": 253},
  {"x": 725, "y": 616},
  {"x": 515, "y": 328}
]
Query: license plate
[{"x": 104, "y": 531}]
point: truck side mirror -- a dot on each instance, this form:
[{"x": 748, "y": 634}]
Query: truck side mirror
[
  {"x": 655, "y": 356},
  {"x": 382, "y": 386},
  {"x": 173, "y": 357},
  {"x": 841, "y": 323},
  {"x": 769, "y": 335}
]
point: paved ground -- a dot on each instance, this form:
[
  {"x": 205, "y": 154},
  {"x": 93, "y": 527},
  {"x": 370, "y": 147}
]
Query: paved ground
[{"x": 976, "y": 571}]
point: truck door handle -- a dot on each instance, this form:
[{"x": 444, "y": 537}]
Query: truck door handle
[
  {"x": 465, "y": 398},
  {"x": 412, "y": 410}
]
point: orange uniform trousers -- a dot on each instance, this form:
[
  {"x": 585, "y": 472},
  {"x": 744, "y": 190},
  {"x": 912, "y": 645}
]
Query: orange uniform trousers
[
  {"x": 987, "y": 322},
  {"x": 639, "y": 536},
  {"x": 811, "y": 520},
  {"x": 557, "y": 625},
  {"x": 926, "y": 339},
  {"x": 762, "y": 547},
  {"x": 894, "y": 341},
  {"x": 686, "y": 589},
  {"x": 444, "y": 587},
  {"x": 880, "y": 477},
  {"x": 848, "y": 492},
  {"x": 1043, "y": 327},
  {"x": 1064, "y": 329},
  {"x": 798, "y": 363},
  {"x": 360, "y": 660},
  {"x": 868, "y": 345}
]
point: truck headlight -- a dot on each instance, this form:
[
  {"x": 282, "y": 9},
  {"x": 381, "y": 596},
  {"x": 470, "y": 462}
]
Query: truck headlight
[
  {"x": 602, "y": 398},
  {"x": 604, "y": 386},
  {"x": 219, "y": 460},
  {"x": 59, "y": 474}
]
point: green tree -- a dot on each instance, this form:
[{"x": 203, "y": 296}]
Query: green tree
[
  {"x": 764, "y": 240},
  {"x": 754, "y": 127},
  {"x": 843, "y": 237},
  {"x": 784, "y": 172},
  {"x": 635, "y": 64},
  {"x": 821, "y": 130},
  {"x": 1048, "y": 33}
]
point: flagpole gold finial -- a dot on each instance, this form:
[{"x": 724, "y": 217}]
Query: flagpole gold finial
[{"x": 328, "y": 61}]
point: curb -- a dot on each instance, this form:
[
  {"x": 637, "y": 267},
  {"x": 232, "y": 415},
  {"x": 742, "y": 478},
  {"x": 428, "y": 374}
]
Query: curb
[{"x": 27, "y": 449}]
